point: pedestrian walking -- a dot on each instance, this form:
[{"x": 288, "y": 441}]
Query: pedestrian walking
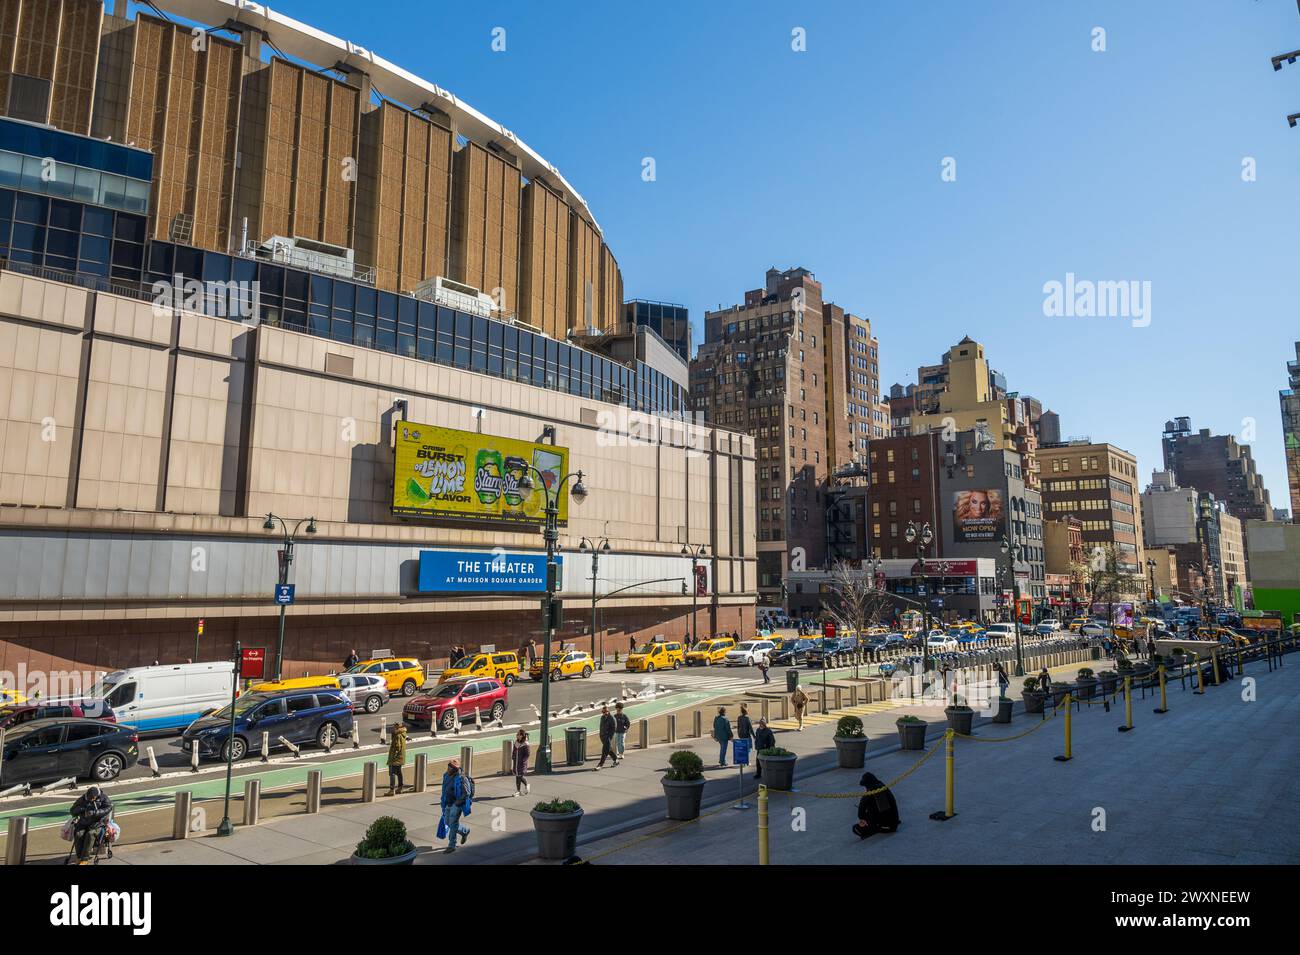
[
  {"x": 1003, "y": 680},
  {"x": 396, "y": 760},
  {"x": 799, "y": 700},
  {"x": 722, "y": 734},
  {"x": 744, "y": 728},
  {"x": 457, "y": 800},
  {"x": 519, "y": 754},
  {"x": 631, "y": 644},
  {"x": 763, "y": 668},
  {"x": 1151, "y": 648},
  {"x": 532, "y": 651},
  {"x": 351, "y": 660},
  {"x": 621, "y": 725},
  {"x": 608, "y": 727},
  {"x": 877, "y": 809},
  {"x": 1044, "y": 680},
  {"x": 764, "y": 738}
]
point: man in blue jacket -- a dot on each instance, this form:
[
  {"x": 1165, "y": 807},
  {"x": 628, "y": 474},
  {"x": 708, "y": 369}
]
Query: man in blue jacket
[{"x": 457, "y": 798}]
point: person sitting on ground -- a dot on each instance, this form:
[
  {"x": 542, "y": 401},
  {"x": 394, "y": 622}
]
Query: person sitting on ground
[
  {"x": 877, "y": 809},
  {"x": 91, "y": 810}
]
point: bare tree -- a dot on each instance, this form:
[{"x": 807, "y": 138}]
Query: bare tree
[{"x": 855, "y": 603}]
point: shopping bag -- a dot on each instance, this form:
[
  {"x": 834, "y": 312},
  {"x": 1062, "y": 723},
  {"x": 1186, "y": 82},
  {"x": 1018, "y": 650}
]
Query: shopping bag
[
  {"x": 112, "y": 831},
  {"x": 66, "y": 832},
  {"x": 442, "y": 827}
]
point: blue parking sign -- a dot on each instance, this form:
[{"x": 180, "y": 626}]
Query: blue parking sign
[
  {"x": 740, "y": 751},
  {"x": 284, "y": 594}
]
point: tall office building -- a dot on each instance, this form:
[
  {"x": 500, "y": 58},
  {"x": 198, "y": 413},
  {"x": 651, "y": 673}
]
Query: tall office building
[
  {"x": 1289, "y": 398},
  {"x": 1219, "y": 465},
  {"x": 775, "y": 367},
  {"x": 1097, "y": 483}
]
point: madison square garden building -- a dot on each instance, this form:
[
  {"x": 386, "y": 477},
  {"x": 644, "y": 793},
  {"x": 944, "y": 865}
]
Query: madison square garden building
[{"x": 237, "y": 282}]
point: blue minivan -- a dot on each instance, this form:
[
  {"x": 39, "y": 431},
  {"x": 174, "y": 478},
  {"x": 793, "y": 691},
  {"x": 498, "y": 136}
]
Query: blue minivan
[{"x": 299, "y": 716}]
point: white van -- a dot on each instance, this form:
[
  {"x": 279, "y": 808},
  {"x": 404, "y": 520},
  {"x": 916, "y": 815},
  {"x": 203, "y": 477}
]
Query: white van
[{"x": 165, "y": 698}]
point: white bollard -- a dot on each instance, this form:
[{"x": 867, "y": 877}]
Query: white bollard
[
  {"x": 266, "y": 746},
  {"x": 153, "y": 761},
  {"x": 194, "y": 757},
  {"x": 292, "y": 747},
  {"x": 383, "y": 729}
]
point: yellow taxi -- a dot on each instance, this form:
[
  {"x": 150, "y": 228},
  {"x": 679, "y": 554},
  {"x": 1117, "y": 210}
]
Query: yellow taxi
[
  {"x": 10, "y": 697},
  {"x": 402, "y": 675},
  {"x": 1076, "y": 623},
  {"x": 504, "y": 666},
  {"x": 708, "y": 652},
  {"x": 656, "y": 655},
  {"x": 878, "y": 631},
  {"x": 296, "y": 683},
  {"x": 566, "y": 664}
]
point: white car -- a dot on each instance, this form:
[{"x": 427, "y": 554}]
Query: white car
[
  {"x": 365, "y": 691},
  {"x": 1094, "y": 629},
  {"x": 940, "y": 641},
  {"x": 748, "y": 653},
  {"x": 998, "y": 631}
]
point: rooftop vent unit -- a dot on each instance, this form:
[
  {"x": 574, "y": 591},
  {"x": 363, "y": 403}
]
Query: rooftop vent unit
[
  {"x": 464, "y": 298},
  {"x": 314, "y": 256}
]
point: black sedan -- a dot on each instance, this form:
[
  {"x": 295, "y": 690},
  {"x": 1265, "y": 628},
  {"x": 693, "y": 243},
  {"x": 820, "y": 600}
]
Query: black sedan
[
  {"x": 790, "y": 653},
  {"x": 834, "y": 651},
  {"x": 45, "y": 750}
]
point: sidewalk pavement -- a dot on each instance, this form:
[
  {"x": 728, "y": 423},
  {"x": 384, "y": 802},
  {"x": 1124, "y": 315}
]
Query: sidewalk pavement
[{"x": 1213, "y": 781}]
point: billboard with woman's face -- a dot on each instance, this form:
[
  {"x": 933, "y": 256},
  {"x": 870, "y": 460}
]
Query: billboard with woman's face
[{"x": 978, "y": 515}]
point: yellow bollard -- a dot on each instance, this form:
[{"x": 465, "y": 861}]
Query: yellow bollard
[
  {"x": 1200, "y": 680},
  {"x": 1214, "y": 657},
  {"x": 1164, "y": 702},
  {"x": 1128, "y": 705},
  {"x": 1068, "y": 755},
  {"x": 950, "y": 786},
  {"x": 762, "y": 824}
]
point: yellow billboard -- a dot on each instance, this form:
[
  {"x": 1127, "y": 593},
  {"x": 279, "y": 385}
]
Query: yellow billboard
[{"x": 466, "y": 476}]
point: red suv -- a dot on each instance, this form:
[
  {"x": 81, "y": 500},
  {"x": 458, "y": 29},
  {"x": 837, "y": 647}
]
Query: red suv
[
  {"x": 13, "y": 716},
  {"x": 460, "y": 697}
]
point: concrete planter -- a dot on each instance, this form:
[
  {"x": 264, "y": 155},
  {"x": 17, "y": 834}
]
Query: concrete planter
[
  {"x": 1086, "y": 688},
  {"x": 778, "y": 771},
  {"x": 1059, "y": 690},
  {"x": 1034, "y": 701},
  {"x": 557, "y": 833},
  {"x": 1004, "y": 709},
  {"x": 1108, "y": 682},
  {"x": 683, "y": 796},
  {"x": 851, "y": 750},
  {"x": 405, "y": 858},
  {"x": 960, "y": 718},
  {"x": 911, "y": 735}
]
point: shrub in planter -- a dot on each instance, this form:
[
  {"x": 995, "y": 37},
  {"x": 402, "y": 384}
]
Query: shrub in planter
[
  {"x": 911, "y": 732},
  {"x": 556, "y": 823},
  {"x": 959, "y": 718},
  {"x": 684, "y": 785},
  {"x": 850, "y": 742},
  {"x": 385, "y": 844},
  {"x": 1034, "y": 697},
  {"x": 778, "y": 767}
]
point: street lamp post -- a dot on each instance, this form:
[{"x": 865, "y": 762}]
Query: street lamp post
[
  {"x": 922, "y": 537},
  {"x": 269, "y": 525},
  {"x": 596, "y": 551},
  {"x": 551, "y": 533},
  {"x": 1012, "y": 550},
  {"x": 1151, "y": 575},
  {"x": 695, "y": 552}
]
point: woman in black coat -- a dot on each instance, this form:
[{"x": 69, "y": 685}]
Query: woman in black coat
[{"x": 877, "y": 810}]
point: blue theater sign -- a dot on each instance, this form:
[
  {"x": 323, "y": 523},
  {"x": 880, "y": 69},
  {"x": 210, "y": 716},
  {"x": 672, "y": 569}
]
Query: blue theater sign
[{"x": 496, "y": 572}]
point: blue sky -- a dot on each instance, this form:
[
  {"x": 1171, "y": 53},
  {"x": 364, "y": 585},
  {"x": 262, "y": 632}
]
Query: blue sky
[{"x": 1116, "y": 165}]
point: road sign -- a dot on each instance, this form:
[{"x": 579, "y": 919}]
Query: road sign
[
  {"x": 200, "y": 626},
  {"x": 252, "y": 663},
  {"x": 828, "y": 630},
  {"x": 740, "y": 751},
  {"x": 284, "y": 594}
]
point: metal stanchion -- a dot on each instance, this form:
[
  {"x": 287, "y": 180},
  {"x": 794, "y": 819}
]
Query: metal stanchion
[
  {"x": 252, "y": 802},
  {"x": 368, "y": 782},
  {"x": 1069, "y": 753},
  {"x": 16, "y": 841},
  {"x": 181, "y": 815},
  {"x": 313, "y": 790},
  {"x": 672, "y": 728},
  {"x": 1200, "y": 678},
  {"x": 1128, "y": 705},
  {"x": 950, "y": 779},
  {"x": 643, "y": 732},
  {"x": 853, "y": 695},
  {"x": 506, "y": 768},
  {"x": 421, "y": 772},
  {"x": 1214, "y": 658},
  {"x": 762, "y": 825},
  {"x": 765, "y": 709},
  {"x": 467, "y": 761},
  {"x": 839, "y": 698},
  {"x": 697, "y": 724}
]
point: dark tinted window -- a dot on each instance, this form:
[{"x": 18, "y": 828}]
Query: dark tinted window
[
  {"x": 82, "y": 731},
  {"x": 48, "y": 736},
  {"x": 299, "y": 703}
]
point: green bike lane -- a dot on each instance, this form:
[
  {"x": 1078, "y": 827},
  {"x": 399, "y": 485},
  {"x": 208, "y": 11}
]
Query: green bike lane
[{"x": 212, "y": 785}]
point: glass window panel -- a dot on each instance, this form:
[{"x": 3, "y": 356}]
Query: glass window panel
[
  {"x": 295, "y": 285},
  {"x": 462, "y": 343},
  {"x": 30, "y": 209},
  {"x": 65, "y": 215},
  {"x": 510, "y": 352},
  {"x": 130, "y": 228},
  {"x": 96, "y": 221},
  {"x": 11, "y": 171},
  {"x": 216, "y": 267},
  {"x": 112, "y": 191},
  {"x": 94, "y": 248},
  {"x": 137, "y": 196},
  {"x": 162, "y": 257},
  {"x": 63, "y": 181},
  {"x": 189, "y": 262},
  {"x": 479, "y": 344},
  {"x": 32, "y": 180},
  {"x": 61, "y": 243},
  {"x": 445, "y": 336},
  {"x": 85, "y": 185}
]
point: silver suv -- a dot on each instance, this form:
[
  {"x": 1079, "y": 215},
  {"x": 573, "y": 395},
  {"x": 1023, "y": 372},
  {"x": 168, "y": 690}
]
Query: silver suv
[{"x": 365, "y": 691}]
